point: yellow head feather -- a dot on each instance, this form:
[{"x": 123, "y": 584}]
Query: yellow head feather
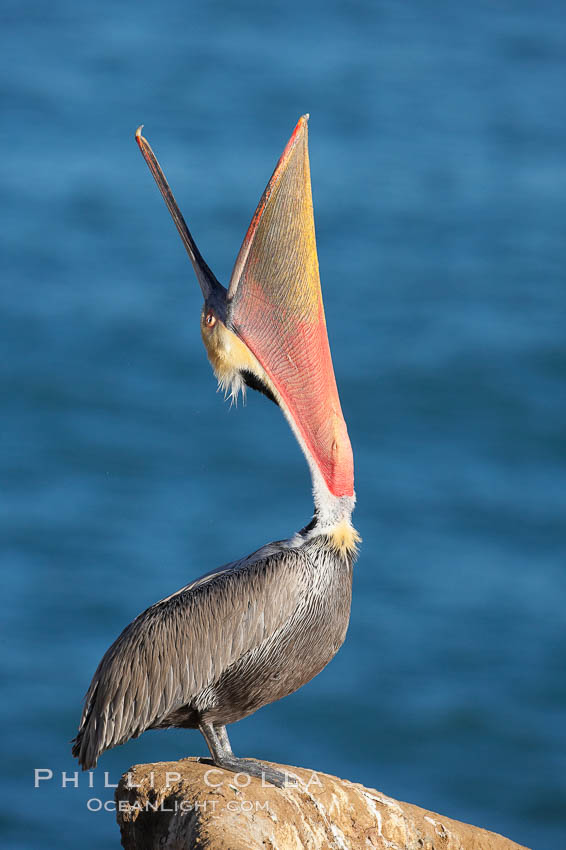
[{"x": 345, "y": 539}]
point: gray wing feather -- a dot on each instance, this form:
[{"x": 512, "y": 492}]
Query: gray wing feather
[{"x": 180, "y": 646}]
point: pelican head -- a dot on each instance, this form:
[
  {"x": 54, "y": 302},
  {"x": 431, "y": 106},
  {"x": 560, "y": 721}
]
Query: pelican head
[{"x": 267, "y": 330}]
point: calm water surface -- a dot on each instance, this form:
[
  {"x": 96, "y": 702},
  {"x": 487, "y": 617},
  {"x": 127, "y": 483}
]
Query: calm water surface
[{"x": 437, "y": 142}]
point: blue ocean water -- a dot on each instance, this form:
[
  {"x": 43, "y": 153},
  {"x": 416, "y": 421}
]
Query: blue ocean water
[{"x": 437, "y": 140}]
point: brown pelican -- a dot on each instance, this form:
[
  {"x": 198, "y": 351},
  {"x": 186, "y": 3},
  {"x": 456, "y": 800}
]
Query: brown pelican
[{"x": 254, "y": 630}]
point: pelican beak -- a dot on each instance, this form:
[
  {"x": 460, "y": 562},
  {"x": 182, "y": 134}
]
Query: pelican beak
[
  {"x": 213, "y": 291},
  {"x": 275, "y": 308},
  {"x": 268, "y": 330}
]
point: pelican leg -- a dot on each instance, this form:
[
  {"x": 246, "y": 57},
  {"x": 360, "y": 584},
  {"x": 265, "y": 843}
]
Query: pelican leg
[
  {"x": 218, "y": 743},
  {"x": 223, "y": 738}
]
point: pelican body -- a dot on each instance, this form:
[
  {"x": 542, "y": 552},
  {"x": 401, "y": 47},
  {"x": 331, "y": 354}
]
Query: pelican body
[{"x": 257, "y": 629}]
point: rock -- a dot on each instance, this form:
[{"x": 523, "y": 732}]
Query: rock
[{"x": 185, "y": 804}]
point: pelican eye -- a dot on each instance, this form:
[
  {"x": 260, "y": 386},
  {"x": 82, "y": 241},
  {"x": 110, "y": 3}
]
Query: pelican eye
[{"x": 210, "y": 319}]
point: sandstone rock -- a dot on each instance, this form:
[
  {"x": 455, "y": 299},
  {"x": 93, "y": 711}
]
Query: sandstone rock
[{"x": 185, "y": 804}]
